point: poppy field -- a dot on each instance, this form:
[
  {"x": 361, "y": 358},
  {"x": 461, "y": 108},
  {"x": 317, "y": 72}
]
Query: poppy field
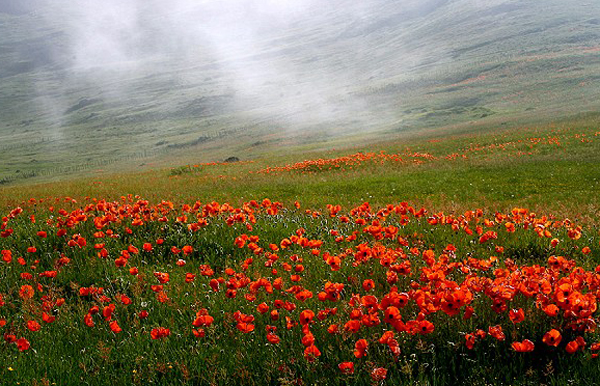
[
  {"x": 104, "y": 288},
  {"x": 143, "y": 293}
]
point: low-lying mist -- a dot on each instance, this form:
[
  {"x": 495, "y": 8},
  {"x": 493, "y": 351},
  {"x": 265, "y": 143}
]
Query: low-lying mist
[
  {"x": 92, "y": 82},
  {"x": 294, "y": 64}
]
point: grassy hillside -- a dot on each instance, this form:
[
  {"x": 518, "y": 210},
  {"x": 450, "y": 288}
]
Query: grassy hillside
[
  {"x": 449, "y": 259},
  {"x": 550, "y": 169},
  {"x": 339, "y": 76}
]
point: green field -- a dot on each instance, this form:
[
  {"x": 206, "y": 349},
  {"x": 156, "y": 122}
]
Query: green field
[
  {"x": 470, "y": 188},
  {"x": 552, "y": 168},
  {"x": 350, "y": 193}
]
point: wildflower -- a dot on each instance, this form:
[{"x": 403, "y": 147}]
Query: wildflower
[
  {"x": 34, "y": 326},
  {"x": 346, "y": 367},
  {"x": 22, "y": 344},
  {"x": 160, "y": 332},
  {"x": 378, "y": 374},
  {"x": 114, "y": 326},
  {"x": 360, "y": 348},
  {"x": 524, "y": 346},
  {"x": 47, "y": 318},
  {"x": 552, "y": 338},
  {"x": 306, "y": 317},
  {"x": 368, "y": 284},
  {"x": 516, "y": 316},
  {"x": 311, "y": 353},
  {"x": 26, "y": 292},
  {"x": 203, "y": 319}
]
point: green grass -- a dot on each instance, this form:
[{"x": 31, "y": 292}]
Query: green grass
[
  {"x": 551, "y": 170},
  {"x": 500, "y": 122},
  {"x": 560, "y": 178},
  {"x": 68, "y": 352}
]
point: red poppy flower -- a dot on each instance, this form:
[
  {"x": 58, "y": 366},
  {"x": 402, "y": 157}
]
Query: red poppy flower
[
  {"x": 360, "y": 348},
  {"x": 552, "y": 338},
  {"x": 272, "y": 338},
  {"x": 26, "y": 292},
  {"x": 47, "y": 318},
  {"x": 114, "y": 326},
  {"x": 203, "y": 319},
  {"x": 199, "y": 333},
  {"x": 245, "y": 327},
  {"x": 306, "y": 316},
  {"x": 425, "y": 327},
  {"x": 378, "y": 374},
  {"x": 368, "y": 285},
  {"x": 524, "y": 346},
  {"x": 22, "y": 344},
  {"x": 346, "y": 367},
  {"x": 311, "y": 353},
  {"x": 496, "y": 332},
  {"x": 34, "y": 326},
  {"x": 516, "y": 316},
  {"x": 160, "y": 332}
]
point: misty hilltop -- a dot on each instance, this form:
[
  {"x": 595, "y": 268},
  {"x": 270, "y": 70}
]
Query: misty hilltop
[{"x": 88, "y": 85}]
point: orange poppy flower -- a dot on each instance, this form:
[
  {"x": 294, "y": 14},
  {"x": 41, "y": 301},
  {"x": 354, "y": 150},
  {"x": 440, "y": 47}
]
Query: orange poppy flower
[
  {"x": 425, "y": 327},
  {"x": 572, "y": 347},
  {"x": 469, "y": 311},
  {"x": 552, "y": 338},
  {"x": 26, "y": 292},
  {"x": 245, "y": 327},
  {"x": 114, "y": 326},
  {"x": 524, "y": 346},
  {"x": 34, "y": 326},
  {"x": 311, "y": 353},
  {"x": 496, "y": 332},
  {"x": 368, "y": 284},
  {"x": 516, "y": 316},
  {"x": 88, "y": 320},
  {"x": 47, "y": 318},
  {"x": 360, "y": 348},
  {"x": 199, "y": 333},
  {"x": 306, "y": 317},
  {"x": 551, "y": 310},
  {"x": 308, "y": 339}
]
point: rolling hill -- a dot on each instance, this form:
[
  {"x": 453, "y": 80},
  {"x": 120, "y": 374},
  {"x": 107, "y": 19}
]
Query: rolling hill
[{"x": 88, "y": 87}]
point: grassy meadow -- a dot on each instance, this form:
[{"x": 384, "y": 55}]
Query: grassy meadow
[
  {"x": 449, "y": 258},
  {"x": 547, "y": 168},
  {"x": 299, "y": 193}
]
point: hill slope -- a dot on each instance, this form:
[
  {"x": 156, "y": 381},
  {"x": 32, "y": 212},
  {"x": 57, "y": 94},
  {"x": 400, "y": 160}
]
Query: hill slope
[{"x": 87, "y": 87}]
